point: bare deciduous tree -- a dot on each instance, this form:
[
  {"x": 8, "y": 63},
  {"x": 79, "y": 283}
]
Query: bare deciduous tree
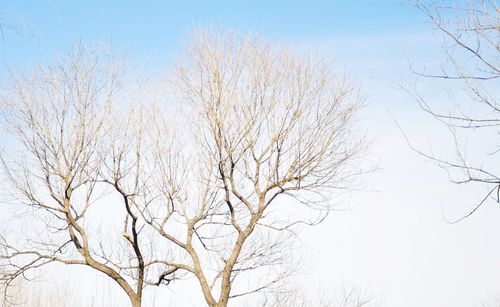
[
  {"x": 470, "y": 32},
  {"x": 341, "y": 297},
  {"x": 267, "y": 139},
  {"x": 264, "y": 139},
  {"x": 67, "y": 291},
  {"x": 67, "y": 163}
]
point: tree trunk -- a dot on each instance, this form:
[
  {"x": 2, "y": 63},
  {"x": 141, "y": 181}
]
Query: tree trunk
[
  {"x": 136, "y": 302},
  {"x": 222, "y": 304}
]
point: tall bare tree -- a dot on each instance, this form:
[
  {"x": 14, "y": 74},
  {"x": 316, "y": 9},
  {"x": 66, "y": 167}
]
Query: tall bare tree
[
  {"x": 268, "y": 138},
  {"x": 66, "y": 158},
  {"x": 264, "y": 139},
  {"x": 470, "y": 32}
]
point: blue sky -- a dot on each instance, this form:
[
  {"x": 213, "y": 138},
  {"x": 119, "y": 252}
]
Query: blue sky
[{"x": 155, "y": 29}]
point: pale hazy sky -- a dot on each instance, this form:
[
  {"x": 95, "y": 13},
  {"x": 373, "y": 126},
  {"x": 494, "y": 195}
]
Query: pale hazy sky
[{"x": 393, "y": 241}]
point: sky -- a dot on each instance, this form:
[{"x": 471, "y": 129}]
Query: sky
[
  {"x": 155, "y": 29},
  {"x": 393, "y": 240}
]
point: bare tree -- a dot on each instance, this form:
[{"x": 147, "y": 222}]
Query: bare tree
[
  {"x": 128, "y": 186},
  {"x": 63, "y": 292},
  {"x": 268, "y": 138},
  {"x": 342, "y": 297},
  {"x": 67, "y": 160},
  {"x": 470, "y": 32}
]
